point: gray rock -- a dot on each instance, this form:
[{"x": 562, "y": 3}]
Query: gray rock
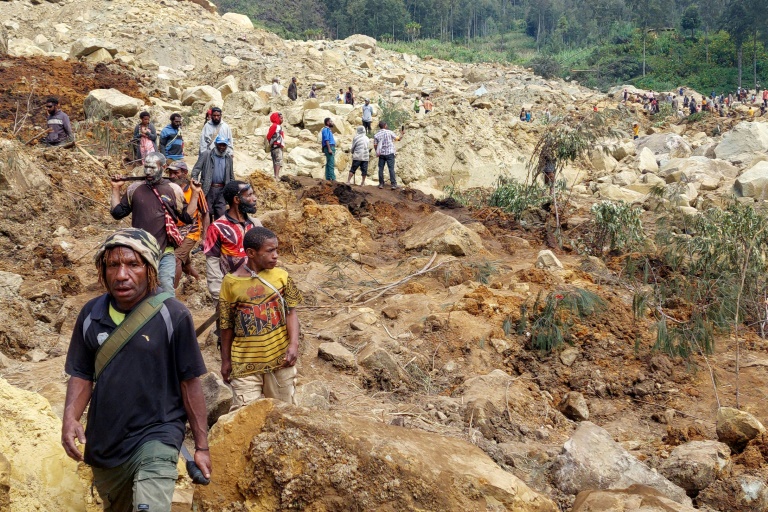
[
  {"x": 201, "y": 94},
  {"x": 736, "y": 428},
  {"x": 3, "y": 41},
  {"x": 574, "y": 406},
  {"x": 102, "y": 103},
  {"x": 591, "y": 459},
  {"x": 337, "y": 354},
  {"x": 444, "y": 234},
  {"x": 745, "y": 141},
  {"x": 358, "y": 326},
  {"x": 88, "y": 45},
  {"x": 10, "y": 284},
  {"x": 635, "y": 498},
  {"x": 695, "y": 465},
  {"x": 569, "y": 355},
  {"x": 218, "y": 397},
  {"x": 313, "y": 395},
  {"x": 375, "y": 358},
  {"x": 547, "y": 259},
  {"x": 754, "y": 182}
]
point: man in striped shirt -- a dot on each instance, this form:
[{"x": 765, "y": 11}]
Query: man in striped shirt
[
  {"x": 259, "y": 324},
  {"x": 384, "y": 142}
]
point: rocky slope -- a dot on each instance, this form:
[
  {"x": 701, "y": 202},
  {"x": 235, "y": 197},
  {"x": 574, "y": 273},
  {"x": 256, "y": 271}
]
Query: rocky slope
[{"x": 426, "y": 368}]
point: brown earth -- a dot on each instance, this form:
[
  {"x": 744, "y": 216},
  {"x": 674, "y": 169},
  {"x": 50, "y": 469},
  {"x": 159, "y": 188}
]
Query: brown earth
[
  {"x": 447, "y": 318},
  {"x": 25, "y": 84}
]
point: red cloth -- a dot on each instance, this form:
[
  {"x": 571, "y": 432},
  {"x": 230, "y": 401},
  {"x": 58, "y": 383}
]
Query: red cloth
[{"x": 276, "y": 121}]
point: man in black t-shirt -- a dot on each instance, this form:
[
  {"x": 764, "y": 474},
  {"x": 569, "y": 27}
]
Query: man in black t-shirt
[
  {"x": 149, "y": 212},
  {"x": 145, "y": 393}
]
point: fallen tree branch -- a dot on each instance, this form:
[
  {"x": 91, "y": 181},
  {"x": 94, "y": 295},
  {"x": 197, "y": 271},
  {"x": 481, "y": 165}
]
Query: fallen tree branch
[{"x": 383, "y": 289}]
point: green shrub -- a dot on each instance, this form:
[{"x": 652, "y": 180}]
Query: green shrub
[
  {"x": 515, "y": 197},
  {"x": 616, "y": 226},
  {"x": 551, "y": 319},
  {"x": 393, "y": 115}
]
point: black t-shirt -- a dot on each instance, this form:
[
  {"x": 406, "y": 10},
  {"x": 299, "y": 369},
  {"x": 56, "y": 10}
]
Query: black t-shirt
[{"x": 138, "y": 395}]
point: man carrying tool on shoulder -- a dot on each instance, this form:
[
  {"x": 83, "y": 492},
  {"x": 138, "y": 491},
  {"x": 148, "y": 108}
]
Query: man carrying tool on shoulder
[{"x": 134, "y": 357}]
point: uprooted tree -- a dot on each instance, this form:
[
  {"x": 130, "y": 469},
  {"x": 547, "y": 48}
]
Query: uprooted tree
[{"x": 566, "y": 140}]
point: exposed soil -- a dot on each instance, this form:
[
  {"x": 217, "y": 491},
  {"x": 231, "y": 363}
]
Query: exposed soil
[{"x": 25, "y": 84}]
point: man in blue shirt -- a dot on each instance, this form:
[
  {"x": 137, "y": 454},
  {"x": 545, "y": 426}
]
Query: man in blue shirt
[
  {"x": 329, "y": 149},
  {"x": 171, "y": 141}
]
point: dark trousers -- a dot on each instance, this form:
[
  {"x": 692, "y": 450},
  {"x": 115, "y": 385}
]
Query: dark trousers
[
  {"x": 367, "y": 126},
  {"x": 390, "y": 161},
  {"x": 216, "y": 203}
]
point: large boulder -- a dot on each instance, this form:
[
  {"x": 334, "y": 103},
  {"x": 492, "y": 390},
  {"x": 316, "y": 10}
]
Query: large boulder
[
  {"x": 314, "y": 118},
  {"x": 42, "y": 477},
  {"x": 744, "y": 142},
  {"x": 695, "y": 465},
  {"x": 18, "y": 171},
  {"x": 245, "y": 103},
  {"x": 240, "y": 20},
  {"x": 601, "y": 161},
  {"x": 271, "y": 456},
  {"x": 305, "y": 157},
  {"x": 102, "y": 103},
  {"x": 635, "y": 498},
  {"x": 665, "y": 143},
  {"x": 201, "y": 94},
  {"x": 698, "y": 169},
  {"x": 87, "y": 45},
  {"x": 444, "y": 234},
  {"x": 754, "y": 182},
  {"x": 736, "y": 428},
  {"x": 360, "y": 42},
  {"x": 23, "y": 47},
  {"x": 227, "y": 86},
  {"x": 591, "y": 459},
  {"x": 646, "y": 161},
  {"x": 613, "y": 192}
]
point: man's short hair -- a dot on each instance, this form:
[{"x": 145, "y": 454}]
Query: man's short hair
[
  {"x": 382, "y": 124},
  {"x": 53, "y": 99},
  {"x": 156, "y": 155},
  {"x": 255, "y": 238},
  {"x": 215, "y": 109},
  {"x": 233, "y": 189},
  {"x": 175, "y": 116},
  {"x": 325, "y": 122},
  {"x": 143, "y": 114}
]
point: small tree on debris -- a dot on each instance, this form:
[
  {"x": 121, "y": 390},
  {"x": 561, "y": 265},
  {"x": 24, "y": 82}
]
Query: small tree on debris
[
  {"x": 711, "y": 277},
  {"x": 567, "y": 139}
]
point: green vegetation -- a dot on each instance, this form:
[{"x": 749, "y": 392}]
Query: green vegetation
[
  {"x": 515, "y": 197},
  {"x": 551, "y": 318},
  {"x": 710, "y": 277},
  {"x": 615, "y": 226},
  {"x": 704, "y": 44}
]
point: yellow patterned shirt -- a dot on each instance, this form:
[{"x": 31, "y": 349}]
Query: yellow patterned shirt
[{"x": 255, "y": 313}]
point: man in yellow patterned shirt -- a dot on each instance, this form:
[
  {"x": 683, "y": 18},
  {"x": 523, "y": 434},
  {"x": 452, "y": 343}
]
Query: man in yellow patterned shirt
[{"x": 259, "y": 324}]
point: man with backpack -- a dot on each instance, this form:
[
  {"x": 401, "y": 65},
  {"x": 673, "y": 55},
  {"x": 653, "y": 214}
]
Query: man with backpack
[
  {"x": 139, "y": 344},
  {"x": 276, "y": 141}
]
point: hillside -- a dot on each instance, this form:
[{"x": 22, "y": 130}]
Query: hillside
[{"x": 458, "y": 352}]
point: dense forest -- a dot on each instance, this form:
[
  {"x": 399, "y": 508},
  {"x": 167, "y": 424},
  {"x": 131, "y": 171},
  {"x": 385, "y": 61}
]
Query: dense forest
[{"x": 707, "y": 44}]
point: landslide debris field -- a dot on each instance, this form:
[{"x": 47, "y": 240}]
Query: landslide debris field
[{"x": 421, "y": 385}]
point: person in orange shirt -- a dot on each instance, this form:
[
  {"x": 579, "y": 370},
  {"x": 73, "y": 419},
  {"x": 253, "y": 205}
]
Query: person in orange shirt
[{"x": 178, "y": 173}]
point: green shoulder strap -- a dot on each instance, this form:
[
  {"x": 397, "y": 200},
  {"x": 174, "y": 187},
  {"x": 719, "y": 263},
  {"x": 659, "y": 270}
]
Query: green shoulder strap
[{"x": 135, "y": 320}]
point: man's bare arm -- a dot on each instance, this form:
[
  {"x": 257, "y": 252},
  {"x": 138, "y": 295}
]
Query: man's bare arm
[
  {"x": 78, "y": 395},
  {"x": 194, "y": 404}
]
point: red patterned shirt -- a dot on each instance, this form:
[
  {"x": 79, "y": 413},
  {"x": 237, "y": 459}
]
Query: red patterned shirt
[{"x": 224, "y": 240}]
